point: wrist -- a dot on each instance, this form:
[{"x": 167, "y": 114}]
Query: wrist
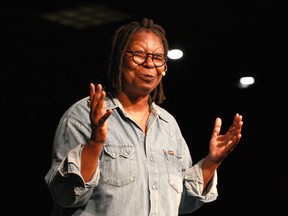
[
  {"x": 94, "y": 144},
  {"x": 94, "y": 148},
  {"x": 209, "y": 163}
]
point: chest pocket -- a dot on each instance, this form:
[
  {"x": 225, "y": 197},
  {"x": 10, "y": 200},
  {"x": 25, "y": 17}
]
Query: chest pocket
[
  {"x": 174, "y": 168},
  {"x": 119, "y": 165}
]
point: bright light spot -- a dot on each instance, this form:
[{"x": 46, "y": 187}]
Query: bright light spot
[
  {"x": 244, "y": 82},
  {"x": 247, "y": 80},
  {"x": 175, "y": 54}
]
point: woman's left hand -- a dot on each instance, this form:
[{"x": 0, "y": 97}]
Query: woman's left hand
[{"x": 222, "y": 145}]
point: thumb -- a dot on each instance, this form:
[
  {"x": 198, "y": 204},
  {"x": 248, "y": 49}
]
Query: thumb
[{"x": 217, "y": 127}]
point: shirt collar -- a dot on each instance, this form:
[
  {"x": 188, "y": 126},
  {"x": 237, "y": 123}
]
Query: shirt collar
[{"x": 113, "y": 103}]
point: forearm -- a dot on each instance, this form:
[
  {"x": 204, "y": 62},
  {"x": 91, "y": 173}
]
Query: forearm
[
  {"x": 194, "y": 184},
  {"x": 208, "y": 169},
  {"x": 90, "y": 159}
]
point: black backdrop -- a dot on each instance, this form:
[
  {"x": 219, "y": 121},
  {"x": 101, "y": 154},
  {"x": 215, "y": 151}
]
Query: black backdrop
[{"x": 47, "y": 66}]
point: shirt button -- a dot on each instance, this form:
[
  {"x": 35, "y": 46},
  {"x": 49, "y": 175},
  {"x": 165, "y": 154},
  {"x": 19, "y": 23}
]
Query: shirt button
[
  {"x": 155, "y": 187},
  {"x": 151, "y": 158}
]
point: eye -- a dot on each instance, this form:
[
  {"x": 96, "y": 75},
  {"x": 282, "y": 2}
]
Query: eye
[
  {"x": 139, "y": 53},
  {"x": 158, "y": 56}
]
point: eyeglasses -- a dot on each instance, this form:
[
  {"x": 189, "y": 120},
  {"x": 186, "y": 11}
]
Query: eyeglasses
[{"x": 140, "y": 57}]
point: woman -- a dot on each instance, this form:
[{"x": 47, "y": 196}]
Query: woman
[{"x": 125, "y": 155}]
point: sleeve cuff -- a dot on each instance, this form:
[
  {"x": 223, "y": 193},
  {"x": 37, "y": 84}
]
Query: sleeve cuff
[
  {"x": 194, "y": 184},
  {"x": 72, "y": 163}
]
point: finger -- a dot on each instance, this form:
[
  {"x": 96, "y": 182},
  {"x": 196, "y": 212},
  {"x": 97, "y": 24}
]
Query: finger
[
  {"x": 233, "y": 143},
  {"x": 103, "y": 119},
  {"x": 217, "y": 127},
  {"x": 92, "y": 90},
  {"x": 237, "y": 120},
  {"x": 96, "y": 97},
  {"x": 237, "y": 124},
  {"x": 101, "y": 101}
]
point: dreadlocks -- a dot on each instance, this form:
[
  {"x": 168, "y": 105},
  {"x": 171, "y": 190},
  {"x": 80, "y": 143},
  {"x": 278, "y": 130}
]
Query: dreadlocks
[{"x": 120, "y": 43}]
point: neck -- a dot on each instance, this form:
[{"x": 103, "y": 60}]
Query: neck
[
  {"x": 138, "y": 104},
  {"x": 137, "y": 109}
]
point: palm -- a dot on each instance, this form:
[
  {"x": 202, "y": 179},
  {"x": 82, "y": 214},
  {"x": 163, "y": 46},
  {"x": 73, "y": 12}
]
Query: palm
[{"x": 222, "y": 145}]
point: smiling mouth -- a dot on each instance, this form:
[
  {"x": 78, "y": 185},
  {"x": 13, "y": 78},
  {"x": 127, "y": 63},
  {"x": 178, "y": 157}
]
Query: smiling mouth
[{"x": 146, "y": 77}]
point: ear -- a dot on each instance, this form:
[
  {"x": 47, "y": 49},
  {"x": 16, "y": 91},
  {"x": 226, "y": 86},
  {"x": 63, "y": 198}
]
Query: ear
[{"x": 164, "y": 72}]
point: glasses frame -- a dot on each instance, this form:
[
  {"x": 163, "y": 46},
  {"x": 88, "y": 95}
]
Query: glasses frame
[{"x": 147, "y": 55}]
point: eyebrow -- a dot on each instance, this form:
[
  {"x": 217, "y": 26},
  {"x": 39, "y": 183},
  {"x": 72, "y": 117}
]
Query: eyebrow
[{"x": 136, "y": 50}]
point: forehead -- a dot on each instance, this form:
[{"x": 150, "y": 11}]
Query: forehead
[{"x": 146, "y": 36}]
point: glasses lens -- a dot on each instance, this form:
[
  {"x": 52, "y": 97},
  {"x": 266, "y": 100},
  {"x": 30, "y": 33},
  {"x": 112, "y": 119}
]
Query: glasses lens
[
  {"x": 158, "y": 60},
  {"x": 141, "y": 57}
]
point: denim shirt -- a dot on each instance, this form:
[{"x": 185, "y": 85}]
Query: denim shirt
[{"x": 137, "y": 174}]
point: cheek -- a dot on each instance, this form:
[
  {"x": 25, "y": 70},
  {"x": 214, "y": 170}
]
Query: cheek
[
  {"x": 128, "y": 69},
  {"x": 128, "y": 63},
  {"x": 159, "y": 73},
  {"x": 161, "y": 70},
  {"x": 128, "y": 73}
]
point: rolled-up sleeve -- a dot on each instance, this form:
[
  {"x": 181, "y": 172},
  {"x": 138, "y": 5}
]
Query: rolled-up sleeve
[
  {"x": 193, "y": 197},
  {"x": 194, "y": 184},
  {"x": 67, "y": 186},
  {"x": 72, "y": 164},
  {"x": 64, "y": 178}
]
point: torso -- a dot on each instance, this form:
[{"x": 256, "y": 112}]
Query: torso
[{"x": 140, "y": 118}]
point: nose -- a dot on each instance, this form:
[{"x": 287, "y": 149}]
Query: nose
[{"x": 149, "y": 61}]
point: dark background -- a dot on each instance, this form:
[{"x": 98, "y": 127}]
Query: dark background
[{"x": 46, "y": 66}]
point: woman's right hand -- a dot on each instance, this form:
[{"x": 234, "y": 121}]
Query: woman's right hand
[{"x": 98, "y": 114}]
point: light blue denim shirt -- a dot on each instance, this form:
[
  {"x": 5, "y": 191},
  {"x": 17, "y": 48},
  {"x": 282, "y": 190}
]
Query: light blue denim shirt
[{"x": 138, "y": 174}]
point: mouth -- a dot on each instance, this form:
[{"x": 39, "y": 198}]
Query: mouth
[{"x": 146, "y": 77}]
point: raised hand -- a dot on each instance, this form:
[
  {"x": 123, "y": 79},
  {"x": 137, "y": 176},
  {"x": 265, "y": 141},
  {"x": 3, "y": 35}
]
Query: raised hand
[
  {"x": 222, "y": 145},
  {"x": 98, "y": 116},
  {"x": 98, "y": 113}
]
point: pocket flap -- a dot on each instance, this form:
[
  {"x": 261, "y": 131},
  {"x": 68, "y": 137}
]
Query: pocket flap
[{"x": 119, "y": 150}]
